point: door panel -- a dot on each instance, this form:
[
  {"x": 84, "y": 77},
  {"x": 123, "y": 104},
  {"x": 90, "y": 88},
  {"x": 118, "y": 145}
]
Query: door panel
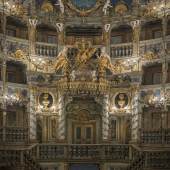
[{"x": 83, "y": 133}]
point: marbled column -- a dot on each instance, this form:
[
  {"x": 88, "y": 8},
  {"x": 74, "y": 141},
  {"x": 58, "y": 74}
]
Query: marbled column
[
  {"x": 4, "y": 83},
  {"x": 165, "y": 63},
  {"x": 135, "y": 115},
  {"x": 32, "y": 115},
  {"x": 32, "y": 35},
  {"x": 105, "y": 118},
  {"x": 61, "y": 119},
  {"x": 4, "y": 92},
  {"x": 136, "y": 25},
  {"x": 164, "y": 67}
]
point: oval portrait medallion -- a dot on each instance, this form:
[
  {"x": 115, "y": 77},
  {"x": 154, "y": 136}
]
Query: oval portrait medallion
[{"x": 121, "y": 100}]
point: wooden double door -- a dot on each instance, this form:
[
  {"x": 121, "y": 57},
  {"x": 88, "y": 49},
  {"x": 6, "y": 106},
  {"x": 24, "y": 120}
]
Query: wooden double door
[{"x": 84, "y": 133}]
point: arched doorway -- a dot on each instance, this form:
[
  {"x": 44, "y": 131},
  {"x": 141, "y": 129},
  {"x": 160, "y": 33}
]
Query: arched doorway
[{"x": 84, "y": 122}]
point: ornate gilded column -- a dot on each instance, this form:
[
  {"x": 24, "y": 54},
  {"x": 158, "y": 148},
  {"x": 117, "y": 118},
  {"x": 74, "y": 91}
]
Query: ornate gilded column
[
  {"x": 61, "y": 37},
  {"x": 136, "y": 25},
  {"x": 32, "y": 36}
]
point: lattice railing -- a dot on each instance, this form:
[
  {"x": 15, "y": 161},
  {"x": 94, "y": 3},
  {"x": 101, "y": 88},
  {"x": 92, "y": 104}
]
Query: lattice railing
[
  {"x": 109, "y": 152},
  {"x": 136, "y": 158},
  {"x": 13, "y": 134},
  {"x": 157, "y": 159},
  {"x": 155, "y": 137}
]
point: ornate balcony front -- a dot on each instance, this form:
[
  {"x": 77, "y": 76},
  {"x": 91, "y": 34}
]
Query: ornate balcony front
[
  {"x": 121, "y": 50},
  {"x": 84, "y": 152}
]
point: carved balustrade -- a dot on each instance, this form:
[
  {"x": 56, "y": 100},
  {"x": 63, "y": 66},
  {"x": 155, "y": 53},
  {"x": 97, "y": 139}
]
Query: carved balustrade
[
  {"x": 117, "y": 50},
  {"x": 121, "y": 50},
  {"x": 154, "y": 45},
  {"x": 46, "y": 49},
  {"x": 42, "y": 49},
  {"x": 13, "y": 44}
]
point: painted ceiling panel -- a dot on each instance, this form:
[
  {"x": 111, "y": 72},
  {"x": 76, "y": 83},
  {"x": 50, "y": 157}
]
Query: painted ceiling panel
[{"x": 129, "y": 2}]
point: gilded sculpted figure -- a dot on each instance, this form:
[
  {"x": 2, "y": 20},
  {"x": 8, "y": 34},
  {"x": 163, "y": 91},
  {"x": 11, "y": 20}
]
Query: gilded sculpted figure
[
  {"x": 85, "y": 53},
  {"x": 106, "y": 6},
  {"x": 150, "y": 56},
  {"x": 104, "y": 63},
  {"x": 19, "y": 54},
  {"x": 118, "y": 67},
  {"x": 62, "y": 61}
]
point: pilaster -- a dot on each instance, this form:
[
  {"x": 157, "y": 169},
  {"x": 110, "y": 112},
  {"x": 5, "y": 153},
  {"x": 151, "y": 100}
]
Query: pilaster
[
  {"x": 61, "y": 36},
  {"x": 106, "y": 37},
  {"x": 32, "y": 24},
  {"x": 136, "y": 25}
]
